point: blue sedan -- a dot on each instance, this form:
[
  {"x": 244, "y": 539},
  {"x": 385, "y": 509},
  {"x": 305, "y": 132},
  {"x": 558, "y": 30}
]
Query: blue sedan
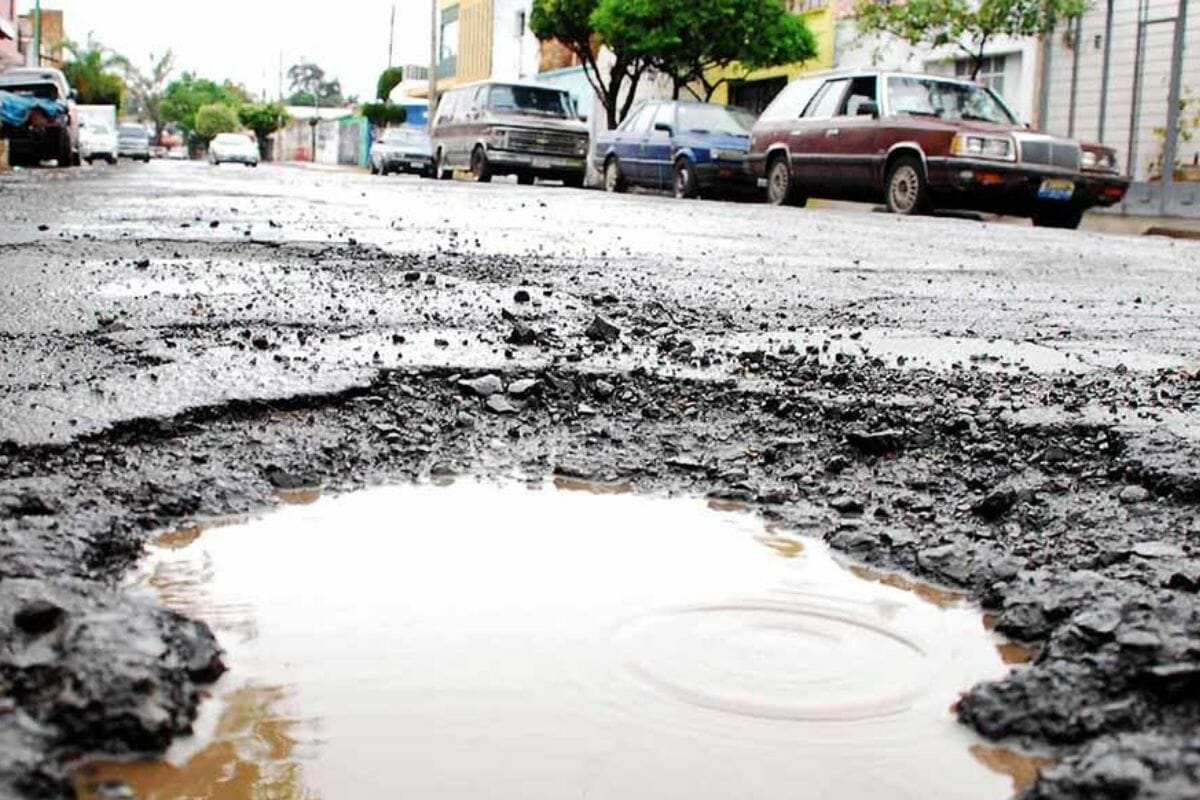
[{"x": 691, "y": 147}]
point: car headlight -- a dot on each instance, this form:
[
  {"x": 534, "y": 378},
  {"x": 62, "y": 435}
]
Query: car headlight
[
  {"x": 976, "y": 146},
  {"x": 728, "y": 155},
  {"x": 581, "y": 147},
  {"x": 498, "y": 139},
  {"x": 1104, "y": 160}
]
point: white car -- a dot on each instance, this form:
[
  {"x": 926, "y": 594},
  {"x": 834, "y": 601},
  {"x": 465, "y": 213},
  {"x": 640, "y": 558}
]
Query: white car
[
  {"x": 233, "y": 148},
  {"x": 97, "y": 141}
]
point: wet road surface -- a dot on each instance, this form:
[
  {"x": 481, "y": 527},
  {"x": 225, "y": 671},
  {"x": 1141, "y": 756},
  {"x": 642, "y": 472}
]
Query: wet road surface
[{"x": 1007, "y": 412}]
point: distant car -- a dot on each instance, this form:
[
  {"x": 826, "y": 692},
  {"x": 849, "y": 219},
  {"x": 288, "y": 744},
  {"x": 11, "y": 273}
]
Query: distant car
[
  {"x": 133, "y": 142},
  {"x": 233, "y": 148},
  {"x": 504, "y": 128},
  {"x": 176, "y": 154},
  {"x": 692, "y": 148},
  {"x": 52, "y": 131},
  {"x": 97, "y": 142},
  {"x": 920, "y": 142},
  {"x": 403, "y": 149}
]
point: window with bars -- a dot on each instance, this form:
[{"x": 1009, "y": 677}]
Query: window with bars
[{"x": 991, "y": 72}]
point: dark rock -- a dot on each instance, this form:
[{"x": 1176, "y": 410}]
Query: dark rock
[
  {"x": 521, "y": 296},
  {"x": 38, "y": 617},
  {"x": 995, "y": 504},
  {"x": 601, "y": 330},
  {"x": 875, "y": 443},
  {"x": 260, "y": 342},
  {"x": 837, "y": 465},
  {"x": 844, "y": 504},
  {"x": 521, "y": 333},
  {"x": 283, "y": 479}
]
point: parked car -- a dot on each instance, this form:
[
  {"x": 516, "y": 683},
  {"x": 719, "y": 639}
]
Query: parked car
[
  {"x": 403, "y": 149},
  {"x": 691, "y": 147},
  {"x": 98, "y": 141},
  {"x": 920, "y": 142},
  {"x": 48, "y": 126},
  {"x": 133, "y": 141},
  {"x": 233, "y": 148},
  {"x": 500, "y": 128}
]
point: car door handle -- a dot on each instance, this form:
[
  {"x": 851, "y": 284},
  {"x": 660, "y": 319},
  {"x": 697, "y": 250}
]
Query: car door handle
[
  {"x": 832, "y": 132},
  {"x": 796, "y": 132}
]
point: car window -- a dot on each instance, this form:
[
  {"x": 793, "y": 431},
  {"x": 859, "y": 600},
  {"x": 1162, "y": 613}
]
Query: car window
[
  {"x": 640, "y": 122},
  {"x": 706, "y": 118},
  {"x": 665, "y": 115},
  {"x": 445, "y": 111},
  {"x": 862, "y": 90},
  {"x": 530, "y": 100},
  {"x": 933, "y": 97},
  {"x": 826, "y": 102},
  {"x": 790, "y": 103},
  {"x": 630, "y": 122}
]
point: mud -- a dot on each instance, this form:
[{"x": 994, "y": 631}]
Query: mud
[{"x": 1058, "y": 492}]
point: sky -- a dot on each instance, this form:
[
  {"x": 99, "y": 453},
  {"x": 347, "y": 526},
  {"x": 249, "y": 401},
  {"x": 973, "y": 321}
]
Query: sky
[{"x": 243, "y": 40}]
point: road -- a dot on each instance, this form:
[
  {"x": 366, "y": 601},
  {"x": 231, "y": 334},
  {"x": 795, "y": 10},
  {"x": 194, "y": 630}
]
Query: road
[{"x": 1002, "y": 409}]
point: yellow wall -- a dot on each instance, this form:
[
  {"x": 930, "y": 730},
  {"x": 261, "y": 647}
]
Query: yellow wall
[
  {"x": 474, "y": 41},
  {"x": 821, "y": 23}
]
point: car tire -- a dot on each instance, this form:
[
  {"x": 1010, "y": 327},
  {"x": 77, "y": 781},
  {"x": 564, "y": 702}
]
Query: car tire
[
  {"x": 781, "y": 186},
  {"x": 112, "y": 160},
  {"x": 685, "y": 185},
  {"x": 440, "y": 172},
  {"x": 1065, "y": 218},
  {"x": 525, "y": 179},
  {"x": 481, "y": 170},
  {"x": 905, "y": 190},
  {"x": 374, "y": 168},
  {"x": 63, "y": 154},
  {"x": 614, "y": 181},
  {"x": 573, "y": 181}
]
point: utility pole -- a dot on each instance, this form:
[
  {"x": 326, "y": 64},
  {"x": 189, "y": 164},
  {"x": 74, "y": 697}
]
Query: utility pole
[
  {"x": 1173, "y": 93},
  {"x": 391, "y": 34},
  {"x": 433, "y": 53},
  {"x": 37, "y": 33}
]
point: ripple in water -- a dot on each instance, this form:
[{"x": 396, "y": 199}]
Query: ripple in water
[{"x": 476, "y": 641}]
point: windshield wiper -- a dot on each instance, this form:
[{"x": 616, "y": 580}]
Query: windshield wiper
[
  {"x": 977, "y": 117},
  {"x": 915, "y": 113}
]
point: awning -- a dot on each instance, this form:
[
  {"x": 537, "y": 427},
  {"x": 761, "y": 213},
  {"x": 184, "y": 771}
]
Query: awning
[{"x": 7, "y": 29}]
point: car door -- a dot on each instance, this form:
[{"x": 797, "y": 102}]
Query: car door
[
  {"x": 811, "y": 142},
  {"x": 623, "y": 144},
  {"x": 658, "y": 149},
  {"x": 633, "y": 165},
  {"x": 851, "y": 139},
  {"x": 444, "y": 127}
]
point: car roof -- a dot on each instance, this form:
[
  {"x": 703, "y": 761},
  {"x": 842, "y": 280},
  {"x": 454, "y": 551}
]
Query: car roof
[
  {"x": 879, "y": 72},
  {"x": 493, "y": 82}
]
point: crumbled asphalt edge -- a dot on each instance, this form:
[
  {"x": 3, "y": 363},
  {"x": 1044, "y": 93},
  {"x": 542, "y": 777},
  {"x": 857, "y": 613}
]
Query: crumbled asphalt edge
[{"x": 908, "y": 470}]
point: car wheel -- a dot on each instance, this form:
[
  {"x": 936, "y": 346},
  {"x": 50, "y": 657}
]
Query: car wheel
[
  {"x": 374, "y": 168},
  {"x": 907, "y": 192},
  {"x": 64, "y": 154},
  {"x": 440, "y": 171},
  {"x": 685, "y": 180},
  {"x": 573, "y": 181},
  {"x": 111, "y": 160},
  {"x": 481, "y": 170},
  {"x": 525, "y": 178},
  {"x": 1067, "y": 218},
  {"x": 89, "y": 161},
  {"x": 614, "y": 181},
  {"x": 781, "y": 188}
]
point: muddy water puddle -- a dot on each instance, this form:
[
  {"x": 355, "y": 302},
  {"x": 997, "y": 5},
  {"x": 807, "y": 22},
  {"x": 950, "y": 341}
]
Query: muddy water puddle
[{"x": 478, "y": 641}]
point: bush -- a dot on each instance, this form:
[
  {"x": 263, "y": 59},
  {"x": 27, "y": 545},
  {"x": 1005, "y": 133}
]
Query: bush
[
  {"x": 214, "y": 119},
  {"x": 382, "y": 115}
]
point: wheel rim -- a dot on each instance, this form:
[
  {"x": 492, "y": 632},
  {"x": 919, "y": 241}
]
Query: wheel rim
[
  {"x": 777, "y": 186},
  {"x": 610, "y": 177},
  {"x": 683, "y": 178},
  {"x": 905, "y": 188}
]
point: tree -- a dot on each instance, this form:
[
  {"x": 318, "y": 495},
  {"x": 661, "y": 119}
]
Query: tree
[
  {"x": 382, "y": 115},
  {"x": 389, "y": 79},
  {"x": 215, "y": 118},
  {"x": 309, "y": 86},
  {"x": 262, "y": 118},
  {"x": 147, "y": 88},
  {"x": 697, "y": 41},
  {"x": 966, "y": 24},
  {"x": 570, "y": 22},
  {"x": 186, "y": 95},
  {"x": 90, "y": 71}
]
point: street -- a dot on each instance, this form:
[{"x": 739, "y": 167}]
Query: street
[{"x": 1005, "y": 411}]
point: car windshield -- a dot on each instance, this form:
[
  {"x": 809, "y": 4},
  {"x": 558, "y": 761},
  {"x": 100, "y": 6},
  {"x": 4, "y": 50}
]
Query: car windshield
[
  {"x": 233, "y": 139},
  {"x": 930, "y": 97},
  {"x": 42, "y": 91},
  {"x": 97, "y": 127},
  {"x": 402, "y": 136},
  {"x": 133, "y": 132},
  {"x": 530, "y": 100},
  {"x": 704, "y": 118}
]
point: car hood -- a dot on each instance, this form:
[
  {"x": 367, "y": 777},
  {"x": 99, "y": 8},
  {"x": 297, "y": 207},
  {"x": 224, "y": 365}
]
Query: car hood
[
  {"x": 966, "y": 125},
  {"x": 715, "y": 141},
  {"x": 537, "y": 123}
]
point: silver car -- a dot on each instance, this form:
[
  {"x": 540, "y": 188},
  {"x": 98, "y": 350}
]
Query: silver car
[
  {"x": 403, "y": 149},
  {"x": 233, "y": 148},
  {"x": 133, "y": 142}
]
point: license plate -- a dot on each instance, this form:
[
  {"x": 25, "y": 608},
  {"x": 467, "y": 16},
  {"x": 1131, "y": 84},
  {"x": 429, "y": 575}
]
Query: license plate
[
  {"x": 541, "y": 163},
  {"x": 1056, "y": 189},
  {"x": 415, "y": 164}
]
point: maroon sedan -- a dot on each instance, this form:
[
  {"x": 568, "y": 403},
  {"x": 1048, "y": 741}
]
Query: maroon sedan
[{"x": 920, "y": 142}]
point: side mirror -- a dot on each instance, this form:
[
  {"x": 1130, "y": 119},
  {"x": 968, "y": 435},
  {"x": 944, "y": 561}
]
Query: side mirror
[
  {"x": 665, "y": 128},
  {"x": 73, "y": 94},
  {"x": 583, "y": 117},
  {"x": 868, "y": 108}
]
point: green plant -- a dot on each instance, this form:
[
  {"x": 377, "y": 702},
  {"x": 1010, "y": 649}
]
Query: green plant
[
  {"x": 382, "y": 115},
  {"x": 147, "y": 89},
  {"x": 389, "y": 79},
  {"x": 262, "y": 118},
  {"x": 214, "y": 119},
  {"x": 1189, "y": 124},
  {"x": 966, "y": 24},
  {"x": 310, "y": 87},
  {"x": 90, "y": 73},
  {"x": 186, "y": 95}
]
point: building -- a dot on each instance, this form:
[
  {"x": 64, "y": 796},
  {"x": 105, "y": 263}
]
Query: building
[
  {"x": 53, "y": 36},
  {"x": 9, "y": 34},
  {"x": 481, "y": 39}
]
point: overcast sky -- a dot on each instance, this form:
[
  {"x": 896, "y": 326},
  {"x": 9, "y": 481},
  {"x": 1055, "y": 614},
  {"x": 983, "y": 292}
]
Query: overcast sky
[{"x": 243, "y": 39}]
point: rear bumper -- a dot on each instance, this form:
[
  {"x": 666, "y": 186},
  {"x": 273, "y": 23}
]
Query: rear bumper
[
  {"x": 1014, "y": 188},
  {"x": 410, "y": 163},
  {"x": 133, "y": 153}
]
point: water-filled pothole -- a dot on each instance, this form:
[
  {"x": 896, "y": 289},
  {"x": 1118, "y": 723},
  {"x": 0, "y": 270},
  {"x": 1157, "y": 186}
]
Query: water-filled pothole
[{"x": 479, "y": 641}]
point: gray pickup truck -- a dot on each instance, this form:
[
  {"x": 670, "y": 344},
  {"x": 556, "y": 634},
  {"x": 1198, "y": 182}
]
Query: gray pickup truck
[{"x": 49, "y": 130}]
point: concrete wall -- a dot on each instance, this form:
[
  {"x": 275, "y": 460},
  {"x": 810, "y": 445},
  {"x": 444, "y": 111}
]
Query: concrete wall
[
  {"x": 9, "y": 33},
  {"x": 1119, "y": 98},
  {"x": 514, "y": 47},
  {"x": 338, "y": 141}
]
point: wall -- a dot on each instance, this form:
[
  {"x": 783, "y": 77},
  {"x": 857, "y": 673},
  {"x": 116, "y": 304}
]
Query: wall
[
  {"x": 1118, "y": 101},
  {"x": 53, "y": 35},
  {"x": 514, "y": 47},
  {"x": 820, "y": 21},
  {"x": 472, "y": 59},
  {"x": 9, "y": 33},
  {"x": 339, "y": 141}
]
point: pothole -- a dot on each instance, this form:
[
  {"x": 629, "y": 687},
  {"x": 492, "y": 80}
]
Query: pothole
[{"x": 475, "y": 640}]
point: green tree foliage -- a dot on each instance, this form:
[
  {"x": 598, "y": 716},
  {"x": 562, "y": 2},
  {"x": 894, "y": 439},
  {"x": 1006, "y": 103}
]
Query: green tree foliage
[
  {"x": 966, "y": 24},
  {"x": 147, "y": 88},
  {"x": 93, "y": 72},
  {"x": 309, "y": 86},
  {"x": 694, "y": 41},
  {"x": 388, "y": 79},
  {"x": 382, "y": 115},
  {"x": 186, "y": 95},
  {"x": 570, "y": 22},
  {"x": 262, "y": 118},
  {"x": 216, "y": 118}
]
